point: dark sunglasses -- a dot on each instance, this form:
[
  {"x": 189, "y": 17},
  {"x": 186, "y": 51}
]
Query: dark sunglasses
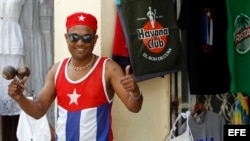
[{"x": 73, "y": 37}]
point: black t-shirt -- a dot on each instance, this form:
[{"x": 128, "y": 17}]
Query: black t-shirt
[{"x": 205, "y": 23}]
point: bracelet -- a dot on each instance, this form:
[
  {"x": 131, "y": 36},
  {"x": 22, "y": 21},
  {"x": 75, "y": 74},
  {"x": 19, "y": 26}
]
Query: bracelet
[{"x": 135, "y": 97}]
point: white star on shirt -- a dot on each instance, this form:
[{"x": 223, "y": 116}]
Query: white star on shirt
[
  {"x": 73, "y": 97},
  {"x": 81, "y": 18}
]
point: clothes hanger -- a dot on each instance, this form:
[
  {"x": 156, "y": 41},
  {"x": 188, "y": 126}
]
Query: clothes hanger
[
  {"x": 199, "y": 112},
  {"x": 198, "y": 108}
]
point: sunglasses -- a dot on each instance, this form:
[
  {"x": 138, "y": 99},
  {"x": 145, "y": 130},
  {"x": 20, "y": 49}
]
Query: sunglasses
[{"x": 73, "y": 37}]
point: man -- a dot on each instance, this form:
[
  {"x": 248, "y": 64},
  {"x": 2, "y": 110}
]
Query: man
[{"x": 84, "y": 85}]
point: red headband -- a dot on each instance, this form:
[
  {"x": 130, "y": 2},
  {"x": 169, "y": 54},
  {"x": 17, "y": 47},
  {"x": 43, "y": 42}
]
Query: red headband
[{"x": 81, "y": 18}]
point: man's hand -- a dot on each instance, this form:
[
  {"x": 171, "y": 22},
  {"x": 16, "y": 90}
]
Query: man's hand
[
  {"x": 128, "y": 82},
  {"x": 16, "y": 88}
]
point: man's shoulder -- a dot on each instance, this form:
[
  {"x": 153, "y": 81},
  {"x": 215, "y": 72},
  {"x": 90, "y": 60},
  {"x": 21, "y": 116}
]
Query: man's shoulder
[{"x": 57, "y": 64}]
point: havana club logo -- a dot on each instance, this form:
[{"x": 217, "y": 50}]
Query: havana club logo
[{"x": 154, "y": 36}]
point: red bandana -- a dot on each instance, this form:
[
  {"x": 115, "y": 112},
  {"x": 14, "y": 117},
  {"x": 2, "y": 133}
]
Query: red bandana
[{"x": 80, "y": 18}]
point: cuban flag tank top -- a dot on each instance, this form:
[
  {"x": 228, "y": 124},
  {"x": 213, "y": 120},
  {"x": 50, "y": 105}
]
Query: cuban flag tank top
[{"x": 84, "y": 109}]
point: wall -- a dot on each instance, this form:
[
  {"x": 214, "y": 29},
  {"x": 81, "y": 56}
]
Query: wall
[{"x": 152, "y": 123}]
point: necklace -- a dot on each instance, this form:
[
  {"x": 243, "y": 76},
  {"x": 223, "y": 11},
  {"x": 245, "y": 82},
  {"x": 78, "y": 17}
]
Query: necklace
[{"x": 85, "y": 66}]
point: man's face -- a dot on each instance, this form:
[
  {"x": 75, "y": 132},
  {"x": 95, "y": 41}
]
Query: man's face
[{"x": 81, "y": 40}]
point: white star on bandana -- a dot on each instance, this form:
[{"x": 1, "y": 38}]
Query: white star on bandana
[
  {"x": 73, "y": 97},
  {"x": 81, "y": 18}
]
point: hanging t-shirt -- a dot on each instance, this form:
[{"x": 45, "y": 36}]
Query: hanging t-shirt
[
  {"x": 152, "y": 37},
  {"x": 239, "y": 45},
  {"x": 209, "y": 129},
  {"x": 205, "y": 23},
  {"x": 120, "y": 50},
  {"x": 206, "y": 126}
]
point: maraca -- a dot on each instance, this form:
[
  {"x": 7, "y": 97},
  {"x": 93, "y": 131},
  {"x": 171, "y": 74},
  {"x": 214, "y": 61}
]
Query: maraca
[
  {"x": 10, "y": 72},
  {"x": 23, "y": 71}
]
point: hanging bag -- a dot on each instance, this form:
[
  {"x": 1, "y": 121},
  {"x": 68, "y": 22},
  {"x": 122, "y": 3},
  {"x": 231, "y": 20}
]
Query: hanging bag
[
  {"x": 152, "y": 36},
  {"x": 30, "y": 129},
  {"x": 186, "y": 135}
]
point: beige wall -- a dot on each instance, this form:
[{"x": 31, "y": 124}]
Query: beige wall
[{"x": 152, "y": 123}]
